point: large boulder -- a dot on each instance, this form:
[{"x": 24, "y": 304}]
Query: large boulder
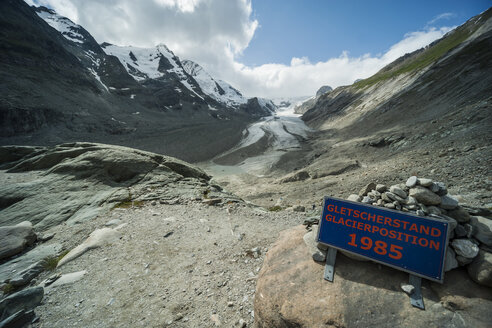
[
  {"x": 14, "y": 239},
  {"x": 291, "y": 292},
  {"x": 480, "y": 269},
  {"x": 76, "y": 182}
]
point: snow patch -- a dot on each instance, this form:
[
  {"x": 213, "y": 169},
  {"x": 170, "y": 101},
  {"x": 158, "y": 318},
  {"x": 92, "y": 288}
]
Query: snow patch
[
  {"x": 98, "y": 78},
  {"x": 216, "y": 89},
  {"x": 62, "y": 24}
]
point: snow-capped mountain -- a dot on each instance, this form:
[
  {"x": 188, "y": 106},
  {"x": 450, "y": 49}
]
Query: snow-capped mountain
[
  {"x": 158, "y": 64},
  {"x": 78, "y": 90},
  {"x": 152, "y": 63},
  {"x": 219, "y": 90}
]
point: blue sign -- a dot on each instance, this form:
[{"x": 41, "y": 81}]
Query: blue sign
[{"x": 401, "y": 240}]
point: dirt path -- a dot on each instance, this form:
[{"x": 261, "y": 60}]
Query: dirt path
[{"x": 189, "y": 265}]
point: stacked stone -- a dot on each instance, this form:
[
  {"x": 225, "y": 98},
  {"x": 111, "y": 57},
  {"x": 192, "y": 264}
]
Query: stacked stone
[{"x": 470, "y": 236}]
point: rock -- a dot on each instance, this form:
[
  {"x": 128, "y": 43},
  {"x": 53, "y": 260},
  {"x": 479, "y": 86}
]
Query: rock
[
  {"x": 374, "y": 194},
  {"x": 448, "y": 202},
  {"x": 425, "y": 182},
  {"x": 65, "y": 279},
  {"x": 76, "y": 182},
  {"x": 420, "y": 213},
  {"x": 113, "y": 222},
  {"x": 441, "y": 188},
  {"x": 460, "y": 231},
  {"x": 398, "y": 191},
  {"x": 25, "y": 276},
  {"x": 317, "y": 254},
  {"x": 363, "y": 192},
  {"x": 459, "y": 214},
  {"x": 407, "y": 288},
  {"x": 462, "y": 261},
  {"x": 465, "y": 248},
  {"x": 46, "y": 237},
  {"x": 390, "y": 206},
  {"x": 21, "y": 318},
  {"x": 450, "y": 262},
  {"x": 23, "y": 300},
  {"x": 381, "y": 188},
  {"x": 311, "y": 220},
  {"x": 291, "y": 292},
  {"x": 480, "y": 270},
  {"x": 96, "y": 239},
  {"x": 367, "y": 200},
  {"x": 482, "y": 229},
  {"x": 425, "y": 196},
  {"x": 433, "y": 210},
  {"x": 411, "y": 201},
  {"x": 212, "y": 201},
  {"x": 386, "y": 198},
  {"x": 411, "y": 182},
  {"x": 11, "y": 269},
  {"x": 296, "y": 176},
  {"x": 14, "y": 239},
  {"x": 299, "y": 208},
  {"x": 354, "y": 198},
  {"x": 242, "y": 323}
]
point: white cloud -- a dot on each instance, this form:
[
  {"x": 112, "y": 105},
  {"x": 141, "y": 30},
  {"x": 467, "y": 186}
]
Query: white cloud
[
  {"x": 440, "y": 17},
  {"x": 215, "y": 32}
]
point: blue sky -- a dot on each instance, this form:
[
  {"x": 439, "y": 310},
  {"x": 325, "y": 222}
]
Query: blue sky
[
  {"x": 274, "y": 48},
  {"x": 322, "y": 29}
]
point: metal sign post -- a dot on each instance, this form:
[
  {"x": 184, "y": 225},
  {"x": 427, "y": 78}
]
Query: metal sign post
[{"x": 330, "y": 264}]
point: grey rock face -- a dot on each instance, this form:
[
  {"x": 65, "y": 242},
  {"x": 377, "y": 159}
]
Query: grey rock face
[
  {"x": 297, "y": 176},
  {"x": 24, "y": 300},
  {"x": 465, "y": 248},
  {"x": 425, "y": 196},
  {"x": 425, "y": 182},
  {"x": 354, "y": 198},
  {"x": 459, "y": 214},
  {"x": 398, "y": 191},
  {"x": 480, "y": 270},
  {"x": 363, "y": 192},
  {"x": 482, "y": 229},
  {"x": 14, "y": 239},
  {"x": 450, "y": 262},
  {"x": 15, "y": 267},
  {"x": 93, "y": 178},
  {"x": 448, "y": 202},
  {"x": 381, "y": 188},
  {"x": 26, "y": 275},
  {"x": 324, "y": 89},
  {"x": 411, "y": 182}
]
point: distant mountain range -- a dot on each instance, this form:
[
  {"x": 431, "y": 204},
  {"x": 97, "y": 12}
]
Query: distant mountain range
[{"x": 59, "y": 84}]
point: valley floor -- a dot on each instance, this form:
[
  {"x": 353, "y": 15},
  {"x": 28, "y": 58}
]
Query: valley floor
[{"x": 189, "y": 265}]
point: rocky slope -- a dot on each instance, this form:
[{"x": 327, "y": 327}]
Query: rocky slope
[{"x": 428, "y": 113}]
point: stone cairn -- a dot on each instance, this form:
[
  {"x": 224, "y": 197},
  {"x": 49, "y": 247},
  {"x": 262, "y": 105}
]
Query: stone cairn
[{"x": 470, "y": 240}]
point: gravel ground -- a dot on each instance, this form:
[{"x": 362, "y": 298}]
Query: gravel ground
[{"x": 189, "y": 265}]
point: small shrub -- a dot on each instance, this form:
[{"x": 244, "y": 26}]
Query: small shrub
[
  {"x": 129, "y": 203},
  {"x": 275, "y": 208},
  {"x": 51, "y": 262},
  {"x": 8, "y": 288}
]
